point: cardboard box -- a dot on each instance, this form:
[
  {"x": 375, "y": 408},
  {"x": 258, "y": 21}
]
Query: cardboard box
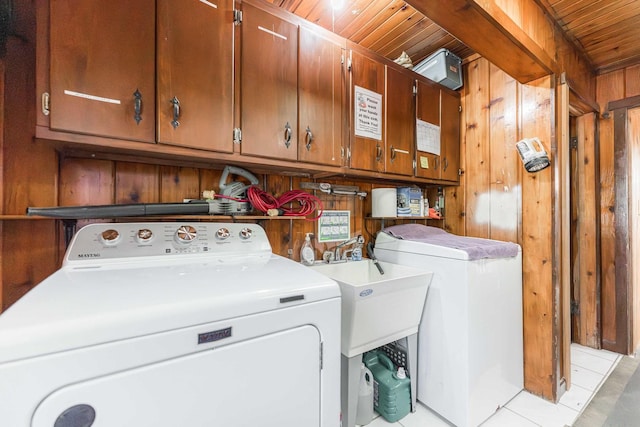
[{"x": 409, "y": 201}]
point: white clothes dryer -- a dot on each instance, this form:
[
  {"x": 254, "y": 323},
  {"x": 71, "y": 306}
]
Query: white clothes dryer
[
  {"x": 470, "y": 355},
  {"x": 173, "y": 324}
]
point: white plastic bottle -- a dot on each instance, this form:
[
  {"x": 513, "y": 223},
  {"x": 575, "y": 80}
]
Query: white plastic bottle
[
  {"x": 307, "y": 253},
  {"x": 364, "y": 411}
]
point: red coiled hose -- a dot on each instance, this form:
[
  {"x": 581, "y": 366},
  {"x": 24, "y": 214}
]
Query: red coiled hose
[{"x": 264, "y": 202}]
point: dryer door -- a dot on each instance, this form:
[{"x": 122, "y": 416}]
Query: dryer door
[{"x": 273, "y": 380}]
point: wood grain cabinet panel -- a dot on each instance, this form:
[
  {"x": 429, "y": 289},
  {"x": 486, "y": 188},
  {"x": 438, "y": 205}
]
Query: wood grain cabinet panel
[
  {"x": 400, "y": 123},
  {"x": 367, "y": 153},
  {"x": 450, "y": 135},
  {"x": 195, "y": 74},
  {"x": 102, "y": 67},
  {"x": 428, "y": 110},
  {"x": 321, "y": 93},
  {"x": 269, "y": 76}
]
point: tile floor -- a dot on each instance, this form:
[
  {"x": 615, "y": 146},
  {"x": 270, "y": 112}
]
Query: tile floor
[{"x": 589, "y": 370}]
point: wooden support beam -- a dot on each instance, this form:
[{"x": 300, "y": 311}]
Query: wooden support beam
[{"x": 488, "y": 30}]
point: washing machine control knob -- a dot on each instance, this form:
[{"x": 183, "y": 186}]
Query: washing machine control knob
[
  {"x": 186, "y": 234},
  {"x": 222, "y": 233},
  {"x": 144, "y": 235},
  {"x": 110, "y": 237},
  {"x": 245, "y": 233}
]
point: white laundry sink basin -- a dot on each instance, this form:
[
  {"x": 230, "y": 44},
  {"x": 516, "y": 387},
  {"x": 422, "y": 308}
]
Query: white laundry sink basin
[{"x": 377, "y": 308}]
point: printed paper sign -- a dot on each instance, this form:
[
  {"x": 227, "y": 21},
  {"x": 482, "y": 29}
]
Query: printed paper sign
[
  {"x": 334, "y": 226},
  {"x": 368, "y": 113}
]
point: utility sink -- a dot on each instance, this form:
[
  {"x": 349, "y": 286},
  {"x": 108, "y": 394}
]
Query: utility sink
[{"x": 377, "y": 308}]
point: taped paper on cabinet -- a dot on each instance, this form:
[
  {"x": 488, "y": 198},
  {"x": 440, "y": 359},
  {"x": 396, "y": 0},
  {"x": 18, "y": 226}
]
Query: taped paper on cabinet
[{"x": 428, "y": 137}]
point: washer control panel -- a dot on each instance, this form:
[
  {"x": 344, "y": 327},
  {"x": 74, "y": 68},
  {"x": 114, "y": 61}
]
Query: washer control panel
[{"x": 162, "y": 239}]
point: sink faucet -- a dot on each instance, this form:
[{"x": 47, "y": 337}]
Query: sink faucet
[{"x": 357, "y": 239}]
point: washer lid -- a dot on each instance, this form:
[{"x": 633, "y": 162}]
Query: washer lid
[{"x": 75, "y": 308}]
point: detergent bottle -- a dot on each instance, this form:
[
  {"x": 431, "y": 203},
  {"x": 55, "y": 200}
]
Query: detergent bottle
[
  {"x": 307, "y": 253},
  {"x": 392, "y": 387},
  {"x": 364, "y": 411}
]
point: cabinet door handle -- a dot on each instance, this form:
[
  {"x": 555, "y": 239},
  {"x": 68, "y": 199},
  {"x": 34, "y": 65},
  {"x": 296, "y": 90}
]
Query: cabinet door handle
[
  {"x": 287, "y": 135},
  {"x": 309, "y": 138},
  {"x": 137, "y": 106},
  {"x": 445, "y": 164},
  {"x": 378, "y": 153},
  {"x": 176, "y": 112},
  {"x": 393, "y": 153},
  {"x": 437, "y": 163}
]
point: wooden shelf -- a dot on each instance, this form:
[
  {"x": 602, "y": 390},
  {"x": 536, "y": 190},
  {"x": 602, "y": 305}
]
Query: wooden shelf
[
  {"x": 397, "y": 218},
  {"x": 230, "y": 218}
]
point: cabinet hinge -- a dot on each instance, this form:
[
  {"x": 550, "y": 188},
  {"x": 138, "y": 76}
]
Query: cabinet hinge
[
  {"x": 237, "y": 135},
  {"x": 459, "y": 108},
  {"x": 45, "y": 103},
  {"x": 573, "y": 143},
  {"x": 237, "y": 17},
  {"x": 460, "y": 172}
]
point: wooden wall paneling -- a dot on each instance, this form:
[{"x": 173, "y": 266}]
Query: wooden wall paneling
[
  {"x": 540, "y": 290},
  {"x": 477, "y": 149},
  {"x": 85, "y": 182},
  {"x": 623, "y": 257},
  {"x": 506, "y": 167},
  {"x": 633, "y": 139},
  {"x": 562, "y": 169},
  {"x": 609, "y": 87},
  {"x": 455, "y": 212},
  {"x": 29, "y": 169},
  {"x": 177, "y": 184},
  {"x": 209, "y": 179},
  {"x": 299, "y": 228},
  {"x": 588, "y": 281},
  {"x": 136, "y": 183},
  {"x": 279, "y": 232},
  {"x": 632, "y": 81}
]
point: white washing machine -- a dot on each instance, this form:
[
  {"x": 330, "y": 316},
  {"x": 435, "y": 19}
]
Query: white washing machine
[
  {"x": 169, "y": 324},
  {"x": 470, "y": 356}
]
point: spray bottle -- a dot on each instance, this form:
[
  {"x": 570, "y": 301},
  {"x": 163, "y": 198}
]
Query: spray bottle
[{"x": 307, "y": 252}]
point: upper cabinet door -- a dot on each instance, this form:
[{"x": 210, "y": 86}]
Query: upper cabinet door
[
  {"x": 269, "y": 77},
  {"x": 400, "y": 123},
  {"x": 321, "y": 92},
  {"x": 450, "y": 134},
  {"x": 195, "y": 73},
  {"x": 367, "y": 113},
  {"x": 102, "y": 58},
  {"x": 428, "y": 130}
]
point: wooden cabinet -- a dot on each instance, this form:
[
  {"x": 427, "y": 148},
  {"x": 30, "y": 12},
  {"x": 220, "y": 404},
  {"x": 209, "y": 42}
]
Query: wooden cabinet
[
  {"x": 269, "y": 83},
  {"x": 428, "y": 112},
  {"x": 450, "y": 135},
  {"x": 366, "y": 112},
  {"x": 400, "y": 122},
  {"x": 438, "y": 116},
  {"x": 102, "y": 68},
  {"x": 321, "y": 96},
  {"x": 195, "y": 74}
]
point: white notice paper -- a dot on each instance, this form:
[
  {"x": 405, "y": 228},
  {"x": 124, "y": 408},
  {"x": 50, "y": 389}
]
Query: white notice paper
[
  {"x": 368, "y": 113},
  {"x": 428, "y": 136}
]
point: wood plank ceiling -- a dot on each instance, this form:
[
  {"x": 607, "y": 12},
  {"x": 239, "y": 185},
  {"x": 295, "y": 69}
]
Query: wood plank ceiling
[{"x": 606, "y": 31}]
